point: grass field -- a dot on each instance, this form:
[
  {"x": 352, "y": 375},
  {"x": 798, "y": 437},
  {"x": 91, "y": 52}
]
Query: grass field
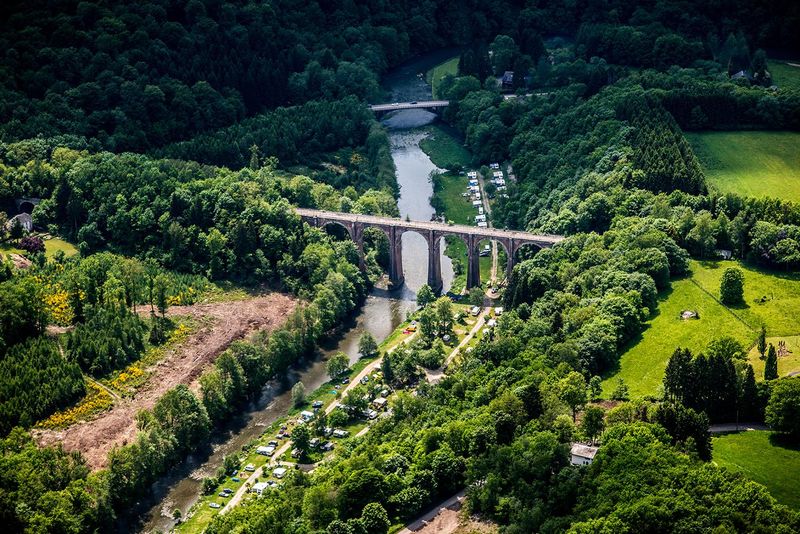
[
  {"x": 51, "y": 246},
  {"x": 751, "y": 163},
  {"x": 445, "y": 151},
  {"x": 786, "y": 364},
  {"x": 642, "y": 364},
  {"x": 785, "y": 75},
  {"x": 457, "y": 208},
  {"x": 763, "y": 460},
  {"x": 435, "y": 75}
]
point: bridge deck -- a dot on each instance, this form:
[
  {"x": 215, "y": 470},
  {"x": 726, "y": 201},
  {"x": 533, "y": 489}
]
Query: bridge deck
[
  {"x": 487, "y": 233},
  {"x": 410, "y": 105}
]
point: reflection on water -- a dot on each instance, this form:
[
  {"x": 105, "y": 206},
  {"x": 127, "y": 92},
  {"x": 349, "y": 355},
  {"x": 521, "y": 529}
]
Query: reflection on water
[{"x": 381, "y": 313}]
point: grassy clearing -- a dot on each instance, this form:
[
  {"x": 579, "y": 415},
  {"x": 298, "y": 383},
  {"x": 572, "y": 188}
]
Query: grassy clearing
[
  {"x": 761, "y": 458},
  {"x": 751, "y": 163},
  {"x": 435, "y": 75},
  {"x": 456, "y": 207},
  {"x": 785, "y": 76},
  {"x": 51, "y": 247},
  {"x": 643, "y": 362},
  {"x": 786, "y": 364},
  {"x": 445, "y": 150}
]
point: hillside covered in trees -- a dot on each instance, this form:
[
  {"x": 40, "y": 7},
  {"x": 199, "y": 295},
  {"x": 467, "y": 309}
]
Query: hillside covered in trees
[{"x": 164, "y": 138}]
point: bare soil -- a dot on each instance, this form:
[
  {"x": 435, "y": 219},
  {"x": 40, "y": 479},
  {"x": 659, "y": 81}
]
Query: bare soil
[
  {"x": 222, "y": 324},
  {"x": 454, "y": 522}
]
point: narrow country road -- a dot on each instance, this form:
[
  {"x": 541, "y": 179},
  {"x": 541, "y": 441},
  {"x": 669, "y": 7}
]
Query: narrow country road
[
  {"x": 733, "y": 427},
  {"x": 433, "y": 377},
  {"x": 487, "y": 209},
  {"x": 437, "y": 374}
]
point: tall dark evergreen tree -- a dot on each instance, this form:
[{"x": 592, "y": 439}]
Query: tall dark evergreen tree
[{"x": 771, "y": 365}]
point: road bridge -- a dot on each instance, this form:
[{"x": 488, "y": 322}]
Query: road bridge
[
  {"x": 355, "y": 224},
  {"x": 427, "y": 105}
]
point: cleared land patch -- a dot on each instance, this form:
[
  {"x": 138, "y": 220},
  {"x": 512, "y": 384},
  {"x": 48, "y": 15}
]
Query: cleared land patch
[
  {"x": 643, "y": 362},
  {"x": 755, "y": 455},
  {"x": 224, "y": 323},
  {"x": 757, "y": 164}
]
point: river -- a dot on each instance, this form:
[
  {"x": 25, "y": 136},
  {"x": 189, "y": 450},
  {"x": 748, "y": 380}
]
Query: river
[{"x": 381, "y": 313}]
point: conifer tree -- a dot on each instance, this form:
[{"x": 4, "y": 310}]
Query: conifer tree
[
  {"x": 762, "y": 341},
  {"x": 771, "y": 366}
]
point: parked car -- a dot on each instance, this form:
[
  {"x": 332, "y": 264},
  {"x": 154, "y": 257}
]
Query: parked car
[{"x": 215, "y": 505}]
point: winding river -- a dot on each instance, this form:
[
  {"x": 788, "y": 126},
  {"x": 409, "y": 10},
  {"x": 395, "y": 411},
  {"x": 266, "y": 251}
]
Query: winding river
[{"x": 381, "y": 313}]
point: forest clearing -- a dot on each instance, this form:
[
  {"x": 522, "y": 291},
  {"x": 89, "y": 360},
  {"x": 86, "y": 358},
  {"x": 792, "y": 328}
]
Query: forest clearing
[{"x": 223, "y": 323}]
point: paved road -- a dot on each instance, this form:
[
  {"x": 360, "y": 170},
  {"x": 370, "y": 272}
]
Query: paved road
[
  {"x": 453, "y": 503},
  {"x": 732, "y": 427}
]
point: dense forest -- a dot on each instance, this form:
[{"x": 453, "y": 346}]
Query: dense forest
[{"x": 169, "y": 141}]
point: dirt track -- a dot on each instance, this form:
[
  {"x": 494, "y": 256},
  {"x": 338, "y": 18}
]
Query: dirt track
[{"x": 224, "y": 323}]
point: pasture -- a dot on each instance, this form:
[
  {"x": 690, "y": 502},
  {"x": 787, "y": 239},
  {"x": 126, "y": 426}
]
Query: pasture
[
  {"x": 756, "y": 164},
  {"x": 770, "y": 298}
]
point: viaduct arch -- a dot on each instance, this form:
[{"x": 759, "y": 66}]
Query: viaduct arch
[{"x": 394, "y": 229}]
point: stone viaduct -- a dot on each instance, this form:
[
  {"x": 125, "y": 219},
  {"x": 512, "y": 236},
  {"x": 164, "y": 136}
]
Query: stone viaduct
[{"x": 394, "y": 229}]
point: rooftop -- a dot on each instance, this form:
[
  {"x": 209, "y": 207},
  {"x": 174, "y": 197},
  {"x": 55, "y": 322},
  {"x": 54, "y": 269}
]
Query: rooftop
[{"x": 583, "y": 450}]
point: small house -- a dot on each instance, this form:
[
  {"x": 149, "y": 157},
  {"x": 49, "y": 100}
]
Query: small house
[
  {"x": 380, "y": 403},
  {"x": 724, "y": 254},
  {"x": 314, "y": 443},
  {"x": 476, "y": 203},
  {"x": 306, "y": 416},
  {"x": 581, "y": 454},
  {"x": 338, "y": 433},
  {"x": 498, "y": 311},
  {"x": 475, "y": 311},
  {"x": 483, "y": 224},
  {"x": 260, "y": 488},
  {"x": 264, "y": 451},
  {"x": 508, "y": 78}
]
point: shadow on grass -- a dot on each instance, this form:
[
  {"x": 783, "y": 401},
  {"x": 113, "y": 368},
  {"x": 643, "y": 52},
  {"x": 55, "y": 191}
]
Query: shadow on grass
[
  {"x": 784, "y": 441},
  {"x": 615, "y": 366}
]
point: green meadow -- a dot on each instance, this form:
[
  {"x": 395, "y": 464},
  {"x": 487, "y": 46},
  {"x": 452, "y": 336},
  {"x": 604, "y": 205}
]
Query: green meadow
[
  {"x": 762, "y": 458},
  {"x": 435, "y": 75},
  {"x": 772, "y": 299},
  {"x": 751, "y": 163}
]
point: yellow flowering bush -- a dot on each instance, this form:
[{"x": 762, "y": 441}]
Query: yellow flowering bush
[
  {"x": 96, "y": 400},
  {"x": 182, "y": 298},
  {"x": 129, "y": 379}
]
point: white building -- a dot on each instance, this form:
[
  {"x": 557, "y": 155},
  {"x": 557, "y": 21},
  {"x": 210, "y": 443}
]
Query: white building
[
  {"x": 260, "y": 488},
  {"x": 582, "y": 454}
]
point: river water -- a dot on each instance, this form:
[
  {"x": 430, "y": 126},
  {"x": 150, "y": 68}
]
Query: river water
[{"x": 381, "y": 313}]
